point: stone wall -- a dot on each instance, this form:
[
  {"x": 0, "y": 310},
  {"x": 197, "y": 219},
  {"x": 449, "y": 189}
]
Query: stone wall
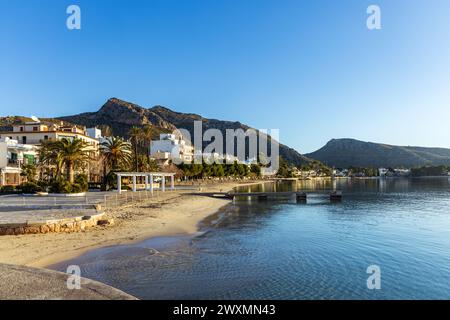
[{"x": 68, "y": 225}]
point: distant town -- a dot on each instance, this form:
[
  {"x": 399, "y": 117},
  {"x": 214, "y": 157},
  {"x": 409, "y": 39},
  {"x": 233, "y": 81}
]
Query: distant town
[{"x": 23, "y": 158}]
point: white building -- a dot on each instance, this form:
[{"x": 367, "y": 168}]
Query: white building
[
  {"x": 402, "y": 172},
  {"x": 12, "y": 157},
  {"x": 94, "y": 133},
  {"x": 171, "y": 146},
  {"x": 382, "y": 172},
  {"x": 36, "y": 131},
  {"x": 218, "y": 158}
]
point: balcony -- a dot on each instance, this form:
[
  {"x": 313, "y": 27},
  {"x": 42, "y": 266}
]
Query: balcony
[{"x": 14, "y": 163}]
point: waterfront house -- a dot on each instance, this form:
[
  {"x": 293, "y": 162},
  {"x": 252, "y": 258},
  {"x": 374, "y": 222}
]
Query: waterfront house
[
  {"x": 402, "y": 172},
  {"x": 383, "y": 172},
  {"x": 13, "y": 155},
  {"x": 171, "y": 146},
  {"x": 36, "y": 131}
]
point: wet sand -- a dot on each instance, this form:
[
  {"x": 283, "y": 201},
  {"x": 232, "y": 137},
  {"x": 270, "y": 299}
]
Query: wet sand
[{"x": 167, "y": 214}]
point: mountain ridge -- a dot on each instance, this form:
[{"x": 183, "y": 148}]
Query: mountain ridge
[
  {"x": 122, "y": 115},
  {"x": 346, "y": 152}
]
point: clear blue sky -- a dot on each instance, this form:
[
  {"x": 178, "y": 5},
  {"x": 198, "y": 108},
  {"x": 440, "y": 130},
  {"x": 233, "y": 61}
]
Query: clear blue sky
[{"x": 310, "y": 68}]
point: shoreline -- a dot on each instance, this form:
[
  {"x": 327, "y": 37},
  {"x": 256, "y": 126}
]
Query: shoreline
[{"x": 134, "y": 223}]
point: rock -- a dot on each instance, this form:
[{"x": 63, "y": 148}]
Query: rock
[{"x": 105, "y": 222}]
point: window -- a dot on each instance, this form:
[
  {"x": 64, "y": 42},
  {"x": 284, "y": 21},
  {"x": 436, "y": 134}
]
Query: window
[
  {"x": 45, "y": 137},
  {"x": 24, "y": 140},
  {"x": 21, "y": 129},
  {"x": 35, "y": 128}
]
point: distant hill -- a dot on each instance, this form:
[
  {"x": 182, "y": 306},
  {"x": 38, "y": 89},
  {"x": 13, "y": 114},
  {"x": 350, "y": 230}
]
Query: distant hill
[
  {"x": 343, "y": 153},
  {"x": 122, "y": 115}
]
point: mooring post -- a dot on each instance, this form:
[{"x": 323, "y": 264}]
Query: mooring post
[
  {"x": 262, "y": 198},
  {"x": 301, "y": 197},
  {"x": 119, "y": 184},
  {"x": 336, "y": 196}
]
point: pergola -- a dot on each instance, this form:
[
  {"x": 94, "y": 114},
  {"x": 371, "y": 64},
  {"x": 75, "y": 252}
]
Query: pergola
[{"x": 149, "y": 178}]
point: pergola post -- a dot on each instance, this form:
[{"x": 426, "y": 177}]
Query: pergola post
[
  {"x": 134, "y": 183},
  {"x": 151, "y": 183}
]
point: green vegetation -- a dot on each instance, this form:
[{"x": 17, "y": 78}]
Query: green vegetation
[
  {"x": 116, "y": 153},
  {"x": 62, "y": 185},
  {"x": 30, "y": 188},
  {"x": 71, "y": 154},
  {"x": 29, "y": 171},
  {"x": 140, "y": 139},
  {"x": 319, "y": 167},
  {"x": 7, "y": 189},
  {"x": 430, "y": 171},
  {"x": 285, "y": 170},
  {"x": 217, "y": 170},
  {"x": 116, "y": 156},
  {"x": 57, "y": 157},
  {"x": 363, "y": 172}
]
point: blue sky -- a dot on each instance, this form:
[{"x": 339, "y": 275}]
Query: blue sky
[{"x": 310, "y": 68}]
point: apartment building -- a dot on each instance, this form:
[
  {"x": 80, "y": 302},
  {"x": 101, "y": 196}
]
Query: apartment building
[
  {"x": 34, "y": 132},
  {"x": 170, "y": 146},
  {"x": 13, "y": 155}
]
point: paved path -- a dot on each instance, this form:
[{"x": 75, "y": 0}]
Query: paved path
[
  {"x": 19, "y": 217},
  {"x": 18, "y": 209},
  {"x": 24, "y": 283}
]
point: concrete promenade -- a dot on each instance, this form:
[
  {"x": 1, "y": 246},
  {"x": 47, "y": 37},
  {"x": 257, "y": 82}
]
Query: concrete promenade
[{"x": 24, "y": 283}]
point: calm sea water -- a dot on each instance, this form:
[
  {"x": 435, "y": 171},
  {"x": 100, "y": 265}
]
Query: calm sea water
[{"x": 284, "y": 250}]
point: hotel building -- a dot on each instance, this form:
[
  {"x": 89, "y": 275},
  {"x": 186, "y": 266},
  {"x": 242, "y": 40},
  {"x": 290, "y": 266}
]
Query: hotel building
[{"x": 31, "y": 134}]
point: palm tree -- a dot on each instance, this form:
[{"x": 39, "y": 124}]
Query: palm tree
[
  {"x": 136, "y": 136},
  {"x": 50, "y": 157},
  {"x": 116, "y": 152},
  {"x": 146, "y": 136},
  {"x": 73, "y": 153}
]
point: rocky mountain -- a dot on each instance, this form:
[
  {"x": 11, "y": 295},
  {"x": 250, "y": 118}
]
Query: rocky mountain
[
  {"x": 121, "y": 116},
  {"x": 343, "y": 153}
]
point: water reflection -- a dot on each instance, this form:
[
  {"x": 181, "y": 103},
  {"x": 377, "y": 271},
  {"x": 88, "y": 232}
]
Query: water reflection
[{"x": 283, "y": 250}]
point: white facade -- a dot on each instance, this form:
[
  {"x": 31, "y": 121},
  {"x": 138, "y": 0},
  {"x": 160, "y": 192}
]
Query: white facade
[
  {"x": 12, "y": 157},
  {"x": 94, "y": 133},
  {"x": 402, "y": 172},
  {"x": 171, "y": 146},
  {"x": 218, "y": 158},
  {"x": 382, "y": 172}
]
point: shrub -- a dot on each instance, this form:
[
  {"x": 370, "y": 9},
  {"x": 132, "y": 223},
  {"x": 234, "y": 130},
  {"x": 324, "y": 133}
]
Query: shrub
[
  {"x": 77, "y": 188},
  {"x": 61, "y": 186},
  {"x": 82, "y": 181},
  {"x": 7, "y": 189},
  {"x": 43, "y": 185},
  {"x": 30, "y": 187}
]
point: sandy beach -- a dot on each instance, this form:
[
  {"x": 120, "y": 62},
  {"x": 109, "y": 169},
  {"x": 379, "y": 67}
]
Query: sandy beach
[{"x": 170, "y": 213}]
